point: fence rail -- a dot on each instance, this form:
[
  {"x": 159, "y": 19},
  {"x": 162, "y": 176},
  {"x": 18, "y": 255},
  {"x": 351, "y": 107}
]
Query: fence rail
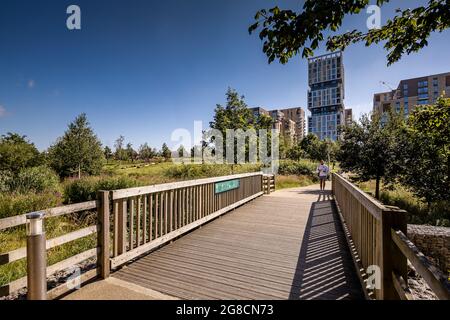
[
  {"x": 131, "y": 222},
  {"x": 145, "y": 218},
  {"x": 21, "y": 253},
  {"x": 268, "y": 183},
  {"x": 376, "y": 236}
]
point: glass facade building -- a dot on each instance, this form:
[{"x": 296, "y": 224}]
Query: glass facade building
[{"x": 326, "y": 95}]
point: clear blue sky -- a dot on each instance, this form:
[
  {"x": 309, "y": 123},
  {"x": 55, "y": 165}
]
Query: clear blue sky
[{"x": 145, "y": 68}]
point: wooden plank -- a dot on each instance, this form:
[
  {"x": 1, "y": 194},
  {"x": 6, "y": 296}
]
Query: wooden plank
[
  {"x": 156, "y": 215},
  {"x": 150, "y": 213},
  {"x": 116, "y": 228},
  {"x": 371, "y": 204},
  {"x": 401, "y": 287},
  {"x": 115, "y": 262},
  {"x": 131, "y": 192},
  {"x": 52, "y": 212},
  {"x": 145, "y": 219},
  {"x": 432, "y": 276},
  {"x": 122, "y": 227},
  {"x": 51, "y": 243},
  {"x": 72, "y": 261},
  {"x": 138, "y": 221},
  {"x": 103, "y": 236},
  {"x": 131, "y": 224}
]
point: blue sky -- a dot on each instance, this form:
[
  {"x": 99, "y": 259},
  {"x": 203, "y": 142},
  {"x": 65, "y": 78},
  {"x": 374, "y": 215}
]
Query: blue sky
[{"x": 144, "y": 68}]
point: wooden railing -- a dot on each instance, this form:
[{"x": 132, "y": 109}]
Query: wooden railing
[
  {"x": 268, "y": 183},
  {"x": 376, "y": 237},
  {"x": 131, "y": 222},
  {"x": 21, "y": 253},
  {"x": 146, "y": 218}
]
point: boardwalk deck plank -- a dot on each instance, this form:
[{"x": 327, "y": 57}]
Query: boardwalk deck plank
[{"x": 287, "y": 245}]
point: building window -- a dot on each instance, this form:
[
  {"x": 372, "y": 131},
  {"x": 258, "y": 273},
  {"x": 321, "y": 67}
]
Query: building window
[
  {"x": 422, "y": 90},
  {"x": 423, "y": 84},
  {"x": 421, "y": 102}
]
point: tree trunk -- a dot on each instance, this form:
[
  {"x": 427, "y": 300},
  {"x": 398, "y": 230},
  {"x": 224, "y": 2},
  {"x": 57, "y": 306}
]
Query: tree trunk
[
  {"x": 79, "y": 171},
  {"x": 377, "y": 188}
]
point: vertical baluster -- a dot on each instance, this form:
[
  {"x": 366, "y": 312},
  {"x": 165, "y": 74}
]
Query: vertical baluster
[
  {"x": 122, "y": 227},
  {"x": 131, "y": 224},
  {"x": 144, "y": 219},
  {"x": 116, "y": 228},
  {"x": 150, "y": 217},
  {"x": 156, "y": 214}
]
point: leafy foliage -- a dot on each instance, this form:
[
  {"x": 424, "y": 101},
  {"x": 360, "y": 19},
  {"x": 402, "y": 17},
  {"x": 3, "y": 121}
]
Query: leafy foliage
[
  {"x": 77, "y": 151},
  {"x": 369, "y": 149},
  {"x": 17, "y": 153},
  {"x": 287, "y": 33},
  {"x": 426, "y": 157}
]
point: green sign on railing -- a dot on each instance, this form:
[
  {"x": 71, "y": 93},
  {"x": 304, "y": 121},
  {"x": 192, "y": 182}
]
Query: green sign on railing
[{"x": 226, "y": 185}]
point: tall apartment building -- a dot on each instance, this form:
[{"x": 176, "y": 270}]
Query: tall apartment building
[
  {"x": 413, "y": 92},
  {"x": 290, "y": 122},
  {"x": 326, "y": 95}
]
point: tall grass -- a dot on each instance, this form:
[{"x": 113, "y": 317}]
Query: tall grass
[{"x": 417, "y": 210}]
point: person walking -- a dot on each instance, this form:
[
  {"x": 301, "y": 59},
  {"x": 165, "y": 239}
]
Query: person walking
[{"x": 322, "y": 171}]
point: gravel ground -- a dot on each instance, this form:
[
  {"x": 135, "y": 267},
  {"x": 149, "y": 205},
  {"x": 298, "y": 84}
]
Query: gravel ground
[{"x": 55, "y": 280}]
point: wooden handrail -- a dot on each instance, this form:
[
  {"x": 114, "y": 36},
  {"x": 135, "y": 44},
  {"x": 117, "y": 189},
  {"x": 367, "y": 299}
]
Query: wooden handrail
[
  {"x": 133, "y": 192},
  {"x": 432, "y": 276},
  {"x": 15, "y": 221},
  {"x": 368, "y": 224},
  {"x": 143, "y": 218},
  {"x": 378, "y": 234}
]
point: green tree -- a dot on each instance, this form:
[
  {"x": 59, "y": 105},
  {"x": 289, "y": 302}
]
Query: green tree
[
  {"x": 130, "y": 152},
  {"x": 286, "y": 33},
  {"x": 108, "y": 153},
  {"x": 78, "y": 151},
  {"x": 370, "y": 149},
  {"x": 120, "y": 152},
  {"x": 146, "y": 152},
  {"x": 165, "y": 152},
  {"x": 236, "y": 115},
  {"x": 425, "y": 165},
  {"x": 17, "y": 153}
]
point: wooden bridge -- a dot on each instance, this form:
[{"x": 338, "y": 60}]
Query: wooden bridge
[{"x": 234, "y": 238}]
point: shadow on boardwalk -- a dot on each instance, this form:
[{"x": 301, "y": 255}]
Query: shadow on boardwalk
[{"x": 324, "y": 268}]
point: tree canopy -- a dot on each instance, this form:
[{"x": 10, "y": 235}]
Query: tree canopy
[
  {"x": 287, "y": 33},
  {"x": 78, "y": 151},
  {"x": 17, "y": 153},
  {"x": 426, "y": 157}
]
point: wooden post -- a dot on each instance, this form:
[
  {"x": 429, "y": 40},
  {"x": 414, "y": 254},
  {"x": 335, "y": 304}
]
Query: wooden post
[
  {"x": 103, "y": 234},
  {"x": 392, "y": 260}
]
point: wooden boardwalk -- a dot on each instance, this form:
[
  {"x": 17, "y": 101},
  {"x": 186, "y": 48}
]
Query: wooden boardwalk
[{"x": 288, "y": 245}]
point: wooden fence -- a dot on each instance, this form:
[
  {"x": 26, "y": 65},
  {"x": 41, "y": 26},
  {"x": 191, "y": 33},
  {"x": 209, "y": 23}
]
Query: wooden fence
[
  {"x": 145, "y": 218},
  {"x": 268, "y": 183},
  {"x": 132, "y": 222},
  {"x": 21, "y": 253},
  {"x": 376, "y": 236}
]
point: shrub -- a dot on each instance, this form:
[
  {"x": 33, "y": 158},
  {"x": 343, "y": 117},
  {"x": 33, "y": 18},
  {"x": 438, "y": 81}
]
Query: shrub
[
  {"x": 6, "y": 180},
  {"x": 302, "y": 167},
  {"x": 193, "y": 171},
  {"x": 16, "y": 204},
  {"x": 85, "y": 189},
  {"x": 36, "y": 179}
]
